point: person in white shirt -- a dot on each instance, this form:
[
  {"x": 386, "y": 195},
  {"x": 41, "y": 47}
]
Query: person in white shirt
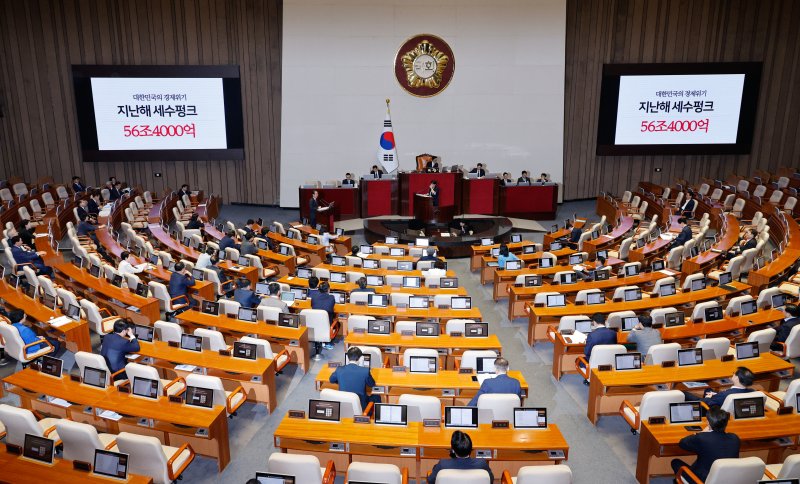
[
  {"x": 204, "y": 259},
  {"x": 126, "y": 267},
  {"x": 437, "y": 271},
  {"x": 274, "y": 298}
]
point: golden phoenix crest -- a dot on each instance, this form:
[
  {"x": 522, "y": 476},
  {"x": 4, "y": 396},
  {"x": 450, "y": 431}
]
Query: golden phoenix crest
[{"x": 424, "y": 65}]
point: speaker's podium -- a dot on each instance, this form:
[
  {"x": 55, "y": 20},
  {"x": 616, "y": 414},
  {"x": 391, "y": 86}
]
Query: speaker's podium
[
  {"x": 326, "y": 216},
  {"x": 425, "y": 213}
]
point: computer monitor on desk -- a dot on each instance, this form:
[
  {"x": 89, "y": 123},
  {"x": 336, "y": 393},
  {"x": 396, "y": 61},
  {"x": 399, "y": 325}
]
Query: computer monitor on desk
[
  {"x": 746, "y": 351},
  {"x": 628, "y": 361},
  {"x": 38, "y": 448},
  {"x": 423, "y": 364},
  {"x": 427, "y": 329},
  {"x": 272, "y": 478},
  {"x": 143, "y": 333},
  {"x": 686, "y": 412},
  {"x": 485, "y": 364},
  {"x": 461, "y": 417},
  {"x": 744, "y": 408},
  {"x": 530, "y": 418},
  {"x": 379, "y": 326},
  {"x": 199, "y": 397},
  {"x": 476, "y": 330},
  {"x": 191, "y": 342},
  {"x": 110, "y": 464},
  {"x": 323, "y": 410},
  {"x": 387, "y": 414},
  {"x": 94, "y": 377},
  {"x": 52, "y": 366},
  {"x": 145, "y": 387},
  {"x": 690, "y": 357}
]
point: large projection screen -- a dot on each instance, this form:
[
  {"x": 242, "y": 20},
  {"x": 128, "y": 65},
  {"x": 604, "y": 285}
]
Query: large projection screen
[{"x": 648, "y": 109}]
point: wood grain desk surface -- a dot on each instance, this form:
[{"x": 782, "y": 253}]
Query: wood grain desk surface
[
  {"x": 606, "y": 285},
  {"x": 204, "y": 359},
  {"x": 239, "y": 326},
  {"x": 769, "y": 427},
  {"x": 376, "y": 272},
  {"x": 444, "y": 341},
  {"x": 441, "y": 379},
  {"x": 385, "y": 289},
  {"x": 24, "y": 471}
]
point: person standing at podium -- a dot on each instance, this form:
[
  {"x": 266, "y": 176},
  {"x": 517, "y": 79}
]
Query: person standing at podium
[
  {"x": 433, "y": 192},
  {"x": 376, "y": 172},
  {"x": 313, "y": 206}
]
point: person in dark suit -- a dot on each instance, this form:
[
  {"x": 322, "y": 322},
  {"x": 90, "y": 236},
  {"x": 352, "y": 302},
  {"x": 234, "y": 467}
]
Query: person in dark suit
[
  {"x": 479, "y": 170},
  {"x": 791, "y": 320},
  {"x": 115, "y": 192},
  {"x": 94, "y": 203},
  {"x": 184, "y": 190},
  {"x": 244, "y": 295},
  {"x": 543, "y": 178},
  {"x": 502, "y": 383},
  {"x": 248, "y": 247},
  {"x": 228, "y": 240},
  {"x": 354, "y": 378},
  {"x": 313, "y": 208},
  {"x": 432, "y": 166},
  {"x": 688, "y": 206},
  {"x": 748, "y": 241},
  {"x": 348, "y": 181},
  {"x": 574, "y": 233},
  {"x": 325, "y": 301},
  {"x": 194, "y": 222},
  {"x": 116, "y": 345},
  {"x": 711, "y": 444},
  {"x": 524, "y": 179},
  {"x": 684, "y": 236},
  {"x": 77, "y": 186},
  {"x": 180, "y": 282},
  {"x": 24, "y": 231},
  {"x": 600, "y": 335},
  {"x": 376, "y": 172},
  {"x": 428, "y": 254},
  {"x": 433, "y": 192},
  {"x": 460, "y": 450},
  {"x": 506, "y": 181},
  {"x": 362, "y": 286},
  {"x": 462, "y": 228},
  {"x": 28, "y": 256},
  {"x": 742, "y": 379}
]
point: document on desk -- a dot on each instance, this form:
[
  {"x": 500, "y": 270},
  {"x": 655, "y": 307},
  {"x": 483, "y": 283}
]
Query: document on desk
[
  {"x": 666, "y": 236},
  {"x": 189, "y": 368},
  {"x": 695, "y": 384},
  {"x": 482, "y": 377},
  {"x": 110, "y": 415},
  {"x": 668, "y": 272},
  {"x": 58, "y": 401},
  {"x": 59, "y": 321},
  {"x": 578, "y": 338}
]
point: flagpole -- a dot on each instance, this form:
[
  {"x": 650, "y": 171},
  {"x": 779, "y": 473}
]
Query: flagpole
[{"x": 389, "y": 112}]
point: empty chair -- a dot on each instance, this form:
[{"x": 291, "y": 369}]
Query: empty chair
[
  {"x": 350, "y": 402},
  {"x": 101, "y": 321},
  {"x": 790, "y": 469},
  {"x": 358, "y": 321},
  {"x": 675, "y": 258},
  {"x": 304, "y": 468},
  {"x": 85, "y": 360},
  {"x": 320, "y": 328},
  {"x": 457, "y": 326},
  {"x": 148, "y": 457},
  {"x": 359, "y": 297},
  {"x": 653, "y": 404},
  {"x": 583, "y": 295},
  {"x": 734, "y": 306},
  {"x": 214, "y": 339},
  {"x": 232, "y": 400},
  {"x": 744, "y": 470},
  {"x": 229, "y": 307},
  {"x": 688, "y": 280},
  {"x": 454, "y": 476},
  {"x": 659, "y": 314},
  {"x": 764, "y": 300},
  {"x": 427, "y": 352},
  {"x": 168, "y": 387},
  {"x": 660, "y": 353},
  {"x": 601, "y": 355},
  {"x": 80, "y": 440},
  {"x": 557, "y": 474},
  {"x": 369, "y": 472},
  {"x": 421, "y": 407},
  {"x": 719, "y": 346},
  {"x": 699, "y": 312},
  {"x": 20, "y": 421},
  {"x": 469, "y": 359},
  {"x": 665, "y": 281},
  {"x": 784, "y": 398},
  {"x": 497, "y": 406},
  {"x": 776, "y": 197},
  {"x": 763, "y": 337},
  {"x": 169, "y": 332}
]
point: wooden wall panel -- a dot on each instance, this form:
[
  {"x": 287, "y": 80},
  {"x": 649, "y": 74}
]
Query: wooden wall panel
[
  {"x": 631, "y": 31},
  {"x": 40, "y": 39}
]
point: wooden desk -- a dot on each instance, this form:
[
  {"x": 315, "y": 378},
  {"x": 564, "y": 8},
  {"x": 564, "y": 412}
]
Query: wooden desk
[
  {"x": 257, "y": 377},
  {"x": 377, "y": 272},
  {"x": 451, "y": 347},
  {"x": 24, "y": 471},
  {"x": 451, "y": 387},
  {"x": 518, "y": 296},
  {"x": 761, "y": 278},
  {"x": 75, "y": 334},
  {"x": 488, "y": 270},
  {"x": 539, "y": 317},
  {"x": 293, "y": 340},
  {"x": 709, "y": 259},
  {"x": 172, "y": 423},
  {"x": 385, "y": 289},
  {"x": 607, "y": 389},
  {"x": 285, "y": 264},
  {"x": 565, "y": 352},
  {"x": 479, "y": 251},
  {"x": 549, "y": 237},
  {"x": 394, "y": 313},
  {"x": 316, "y": 254},
  {"x": 416, "y": 447},
  {"x": 658, "y": 444},
  {"x": 341, "y": 244}
]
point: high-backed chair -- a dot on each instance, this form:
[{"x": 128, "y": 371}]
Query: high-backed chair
[
  {"x": 167, "y": 331},
  {"x": 165, "y": 387},
  {"x": 735, "y": 304},
  {"x": 497, "y": 406},
  {"x": 727, "y": 405},
  {"x": 148, "y": 457},
  {"x": 17, "y": 349},
  {"x": 660, "y": 353},
  {"x": 231, "y": 399},
  {"x": 763, "y": 337},
  {"x": 304, "y": 468},
  {"x": 469, "y": 359},
  {"x": 791, "y": 347},
  {"x": 422, "y": 407},
  {"x": 457, "y": 476},
  {"x": 790, "y": 469},
  {"x": 369, "y": 472},
  {"x": 21, "y": 421},
  {"x": 80, "y": 440},
  {"x": 85, "y": 359},
  {"x": 216, "y": 341},
  {"x": 744, "y": 470},
  {"x": 557, "y": 474},
  {"x": 320, "y": 328},
  {"x": 350, "y": 403},
  {"x": 699, "y": 311},
  {"x": 264, "y": 350},
  {"x": 765, "y": 297},
  {"x": 427, "y": 352},
  {"x": 787, "y": 398},
  {"x": 601, "y": 355},
  {"x": 719, "y": 346},
  {"x": 168, "y": 304},
  {"x": 358, "y": 321},
  {"x": 101, "y": 321},
  {"x": 653, "y": 404}
]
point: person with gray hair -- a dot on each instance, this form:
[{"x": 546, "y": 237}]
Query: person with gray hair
[{"x": 502, "y": 383}]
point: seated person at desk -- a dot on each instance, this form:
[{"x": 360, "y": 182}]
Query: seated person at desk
[
  {"x": 688, "y": 207},
  {"x": 461, "y": 228},
  {"x": 438, "y": 270},
  {"x": 126, "y": 264},
  {"x": 245, "y": 295},
  {"x": 504, "y": 256},
  {"x": 83, "y": 209},
  {"x": 543, "y": 178},
  {"x": 115, "y": 193},
  {"x": 376, "y": 172},
  {"x": 24, "y": 231},
  {"x": 194, "y": 222},
  {"x": 506, "y": 180},
  {"x": 180, "y": 282},
  {"x": 791, "y": 320},
  {"x": 599, "y": 265},
  {"x": 325, "y": 301},
  {"x": 348, "y": 181},
  {"x": 524, "y": 179},
  {"x": 432, "y": 166},
  {"x": 313, "y": 285},
  {"x": 362, "y": 286},
  {"x": 184, "y": 190},
  {"x": 24, "y": 255},
  {"x": 354, "y": 378},
  {"x": 248, "y": 247},
  {"x": 684, "y": 236},
  {"x": 86, "y": 229},
  {"x": 502, "y": 383},
  {"x": 460, "y": 451},
  {"x": 600, "y": 335},
  {"x": 273, "y": 299},
  {"x": 229, "y": 240},
  {"x": 478, "y": 170},
  {"x": 17, "y": 320},
  {"x": 749, "y": 242},
  {"x": 94, "y": 203},
  {"x": 643, "y": 335},
  {"x": 209, "y": 260},
  {"x": 711, "y": 444},
  {"x": 742, "y": 379},
  {"x": 574, "y": 234},
  {"x": 428, "y": 254},
  {"x": 116, "y": 345},
  {"x": 77, "y": 186}
]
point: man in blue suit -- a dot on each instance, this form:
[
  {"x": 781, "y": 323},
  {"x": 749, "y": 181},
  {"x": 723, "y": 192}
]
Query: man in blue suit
[
  {"x": 244, "y": 295},
  {"x": 600, "y": 335},
  {"x": 711, "y": 444},
  {"x": 118, "y": 344},
  {"x": 229, "y": 240},
  {"x": 685, "y": 235},
  {"x": 17, "y": 319},
  {"x": 742, "y": 379},
  {"x": 325, "y": 301},
  {"x": 791, "y": 320},
  {"x": 502, "y": 383},
  {"x": 23, "y": 256},
  {"x": 354, "y": 378},
  {"x": 460, "y": 450},
  {"x": 180, "y": 282}
]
